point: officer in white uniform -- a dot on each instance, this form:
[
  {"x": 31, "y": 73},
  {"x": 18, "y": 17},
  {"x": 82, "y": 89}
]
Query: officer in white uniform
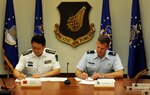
[
  {"x": 101, "y": 62},
  {"x": 38, "y": 61},
  {"x": 30, "y": 64}
]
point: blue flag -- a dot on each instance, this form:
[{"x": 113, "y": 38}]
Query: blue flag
[
  {"x": 137, "y": 58},
  {"x": 106, "y": 21},
  {"x": 10, "y": 43},
  {"x": 38, "y": 28}
]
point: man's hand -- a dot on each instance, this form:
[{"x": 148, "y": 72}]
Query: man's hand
[
  {"x": 36, "y": 76},
  {"x": 83, "y": 75},
  {"x": 21, "y": 76},
  {"x": 18, "y": 74},
  {"x": 97, "y": 75}
]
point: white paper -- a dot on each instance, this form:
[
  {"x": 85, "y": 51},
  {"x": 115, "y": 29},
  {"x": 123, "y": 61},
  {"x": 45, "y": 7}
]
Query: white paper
[
  {"x": 46, "y": 79},
  {"x": 88, "y": 80},
  {"x": 54, "y": 79}
]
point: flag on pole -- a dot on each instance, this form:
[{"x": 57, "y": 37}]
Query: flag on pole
[
  {"x": 38, "y": 28},
  {"x": 10, "y": 43},
  {"x": 137, "y": 58},
  {"x": 106, "y": 21}
]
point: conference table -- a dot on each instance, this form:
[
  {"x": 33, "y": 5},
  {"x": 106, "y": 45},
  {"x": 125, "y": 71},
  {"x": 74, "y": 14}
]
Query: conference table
[{"x": 59, "y": 88}]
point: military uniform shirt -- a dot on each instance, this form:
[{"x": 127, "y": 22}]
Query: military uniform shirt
[
  {"x": 91, "y": 63},
  {"x": 30, "y": 64}
]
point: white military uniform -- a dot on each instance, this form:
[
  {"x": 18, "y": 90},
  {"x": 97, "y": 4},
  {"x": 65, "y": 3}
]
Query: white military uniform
[
  {"x": 30, "y": 64},
  {"x": 91, "y": 63}
]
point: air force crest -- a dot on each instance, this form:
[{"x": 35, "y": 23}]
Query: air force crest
[
  {"x": 74, "y": 28},
  {"x": 10, "y": 36}
]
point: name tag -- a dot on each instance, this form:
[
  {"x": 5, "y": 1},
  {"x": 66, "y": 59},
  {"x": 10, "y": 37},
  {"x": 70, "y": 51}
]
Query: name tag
[
  {"x": 30, "y": 64},
  {"x": 91, "y": 63},
  {"x": 47, "y": 61}
]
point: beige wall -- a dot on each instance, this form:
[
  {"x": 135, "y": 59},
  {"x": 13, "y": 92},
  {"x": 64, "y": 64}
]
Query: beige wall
[{"x": 120, "y": 16}]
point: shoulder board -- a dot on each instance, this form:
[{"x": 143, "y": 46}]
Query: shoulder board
[
  {"x": 27, "y": 52},
  {"x": 112, "y": 53},
  {"x": 91, "y": 52},
  {"x": 56, "y": 56},
  {"x": 50, "y": 51}
]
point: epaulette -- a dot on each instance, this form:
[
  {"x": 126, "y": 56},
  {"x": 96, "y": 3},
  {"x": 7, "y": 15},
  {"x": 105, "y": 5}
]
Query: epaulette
[
  {"x": 27, "y": 52},
  {"x": 90, "y": 51},
  {"x": 50, "y": 51},
  {"x": 112, "y": 53},
  {"x": 56, "y": 56}
]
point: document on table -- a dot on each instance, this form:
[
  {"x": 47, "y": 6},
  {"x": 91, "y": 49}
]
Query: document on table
[
  {"x": 89, "y": 80},
  {"x": 46, "y": 79}
]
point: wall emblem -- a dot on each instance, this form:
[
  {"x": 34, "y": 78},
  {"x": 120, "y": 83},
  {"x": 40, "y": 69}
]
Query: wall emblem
[{"x": 74, "y": 28}]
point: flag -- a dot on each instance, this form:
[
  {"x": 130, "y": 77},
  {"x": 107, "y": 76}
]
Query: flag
[
  {"x": 10, "y": 43},
  {"x": 106, "y": 21},
  {"x": 137, "y": 58},
  {"x": 38, "y": 28}
]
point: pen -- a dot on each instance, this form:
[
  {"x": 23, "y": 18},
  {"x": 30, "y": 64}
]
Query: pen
[{"x": 22, "y": 75}]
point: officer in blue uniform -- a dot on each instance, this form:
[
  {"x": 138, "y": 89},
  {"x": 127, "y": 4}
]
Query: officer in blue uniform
[
  {"x": 100, "y": 63},
  {"x": 38, "y": 61}
]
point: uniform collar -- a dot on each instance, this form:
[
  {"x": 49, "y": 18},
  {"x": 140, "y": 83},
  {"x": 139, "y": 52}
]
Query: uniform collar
[
  {"x": 106, "y": 56},
  {"x": 95, "y": 55},
  {"x": 44, "y": 54}
]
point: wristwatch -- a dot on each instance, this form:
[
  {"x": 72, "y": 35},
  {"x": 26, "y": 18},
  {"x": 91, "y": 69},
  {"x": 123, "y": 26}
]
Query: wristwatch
[{"x": 102, "y": 75}]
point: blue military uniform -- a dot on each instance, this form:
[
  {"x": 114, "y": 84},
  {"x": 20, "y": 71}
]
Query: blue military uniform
[
  {"x": 30, "y": 64},
  {"x": 91, "y": 63}
]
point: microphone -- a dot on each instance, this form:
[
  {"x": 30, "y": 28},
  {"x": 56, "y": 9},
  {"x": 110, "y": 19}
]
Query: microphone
[
  {"x": 140, "y": 74},
  {"x": 67, "y": 67},
  {"x": 67, "y": 82},
  {"x": 4, "y": 90}
]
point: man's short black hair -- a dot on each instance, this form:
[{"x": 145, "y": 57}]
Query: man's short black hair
[
  {"x": 40, "y": 39},
  {"x": 104, "y": 39}
]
